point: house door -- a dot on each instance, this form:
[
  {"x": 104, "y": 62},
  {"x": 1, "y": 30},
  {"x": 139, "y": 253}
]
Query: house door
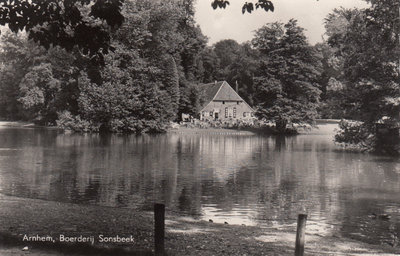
[{"x": 230, "y": 112}]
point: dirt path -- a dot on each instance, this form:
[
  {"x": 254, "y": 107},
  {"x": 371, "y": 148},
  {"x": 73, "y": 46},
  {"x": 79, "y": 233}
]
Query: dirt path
[{"x": 184, "y": 236}]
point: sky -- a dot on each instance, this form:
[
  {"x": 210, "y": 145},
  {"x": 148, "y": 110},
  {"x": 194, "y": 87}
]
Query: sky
[{"x": 230, "y": 23}]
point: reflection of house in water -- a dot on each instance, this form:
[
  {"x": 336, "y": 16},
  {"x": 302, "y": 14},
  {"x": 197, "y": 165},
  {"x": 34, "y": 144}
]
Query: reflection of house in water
[
  {"x": 226, "y": 154},
  {"x": 223, "y": 103}
]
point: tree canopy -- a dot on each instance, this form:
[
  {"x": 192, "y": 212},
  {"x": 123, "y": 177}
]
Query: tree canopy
[
  {"x": 138, "y": 88},
  {"x": 85, "y": 24},
  {"x": 69, "y": 23},
  {"x": 366, "y": 45},
  {"x": 287, "y": 76}
]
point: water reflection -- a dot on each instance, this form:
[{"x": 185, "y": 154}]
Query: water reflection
[{"x": 242, "y": 179}]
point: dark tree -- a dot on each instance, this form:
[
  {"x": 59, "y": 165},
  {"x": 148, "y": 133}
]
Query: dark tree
[
  {"x": 82, "y": 23},
  {"x": 286, "y": 80},
  {"x": 35, "y": 83},
  {"x": 65, "y": 23},
  {"x": 368, "y": 45},
  {"x": 247, "y": 6}
]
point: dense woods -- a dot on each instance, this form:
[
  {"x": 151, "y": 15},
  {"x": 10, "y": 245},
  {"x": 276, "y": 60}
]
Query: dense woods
[{"x": 139, "y": 69}]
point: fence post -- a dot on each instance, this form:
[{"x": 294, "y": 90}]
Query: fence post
[
  {"x": 159, "y": 228},
  {"x": 301, "y": 233}
]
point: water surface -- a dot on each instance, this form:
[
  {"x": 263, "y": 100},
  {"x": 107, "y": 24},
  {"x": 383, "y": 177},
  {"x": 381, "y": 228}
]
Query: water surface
[{"x": 238, "y": 178}]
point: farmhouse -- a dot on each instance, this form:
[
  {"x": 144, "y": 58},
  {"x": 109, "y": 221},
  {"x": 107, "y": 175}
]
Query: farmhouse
[{"x": 223, "y": 103}]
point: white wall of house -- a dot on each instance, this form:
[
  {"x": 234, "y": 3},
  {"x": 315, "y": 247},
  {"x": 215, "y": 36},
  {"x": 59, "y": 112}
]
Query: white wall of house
[{"x": 227, "y": 111}]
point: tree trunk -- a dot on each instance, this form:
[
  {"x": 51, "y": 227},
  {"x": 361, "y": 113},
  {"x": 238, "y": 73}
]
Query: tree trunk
[{"x": 281, "y": 125}]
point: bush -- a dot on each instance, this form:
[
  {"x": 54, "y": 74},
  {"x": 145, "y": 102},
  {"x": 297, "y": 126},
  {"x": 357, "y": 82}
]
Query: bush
[
  {"x": 355, "y": 135},
  {"x": 69, "y": 122},
  {"x": 134, "y": 125}
]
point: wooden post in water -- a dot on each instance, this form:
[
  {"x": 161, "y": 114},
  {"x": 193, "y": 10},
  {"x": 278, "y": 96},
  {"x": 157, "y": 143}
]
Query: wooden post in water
[
  {"x": 159, "y": 228},
  {"x": 300, "y": 236}
]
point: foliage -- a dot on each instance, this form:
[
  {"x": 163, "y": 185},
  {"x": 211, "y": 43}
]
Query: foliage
[
  {"x": 352, "y": 132},
  {"x": 241, "y": 72},
  {"x": 128, "y": 99},
  {"x": 75, "y": 123},
  {"x": 82, "y": 23},
  {"x": 190, "y": 99},
  {"x": 354, "y": 136},
  {"x": 287, "y": 76},
  {"x": 367, "y": 44},
  {"x": 332, "y": 98},
  {"x": 170, "y": 83},
  {"x": 227, "y": 51},
  {"x": 38, "y": 91},
  {"x": 247, "y": 6},
  {"x": 16, "y": 57},
  {"x": 34, "y": 81},
  {"x": 137, "y": 88},
  {"x": 209, "y": 65},
  {"x": 87, "y": 24},
  {"x": 165, "y": 34}
]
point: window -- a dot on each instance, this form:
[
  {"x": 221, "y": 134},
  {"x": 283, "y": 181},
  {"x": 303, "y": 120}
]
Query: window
[
  {"x": 244, "y": 114},
  {"x": 234, "y": 112},
  {"x": 211, "y": 113},
  {"x": 223, "y": 102},
  {"x": 238, "y": 102},
  {"x": 226, "y": 112}
]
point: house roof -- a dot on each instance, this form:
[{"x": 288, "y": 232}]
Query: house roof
[
  {"x": 210, "y": 90},
  {"x": 219, "y": 91}
]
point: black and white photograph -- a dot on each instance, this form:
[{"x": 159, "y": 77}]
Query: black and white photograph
[{"x": 200, "y": 127}]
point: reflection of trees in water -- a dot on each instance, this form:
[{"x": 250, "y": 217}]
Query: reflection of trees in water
[
  {"x": 358, "y": 222},
  {"x": 263, "y": 181},
  {"x": 134, "y": 171},
  {"x": 25, "y": 171},
  {"x": 380, "y": 197},
  {"x": 269, "y": 177}
]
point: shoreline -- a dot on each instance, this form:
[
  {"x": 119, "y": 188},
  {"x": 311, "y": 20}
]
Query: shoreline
[
  {"x": 322, "y": 128},
  {"x": 184, "y": 235},
  {"x": 16, "y": 124}
]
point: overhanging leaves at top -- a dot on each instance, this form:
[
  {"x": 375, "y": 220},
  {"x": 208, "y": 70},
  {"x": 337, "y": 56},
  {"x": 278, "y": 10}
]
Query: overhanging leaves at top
[
  {"x": 68, "y": 23},
  {"x": 247, "y": 6}
]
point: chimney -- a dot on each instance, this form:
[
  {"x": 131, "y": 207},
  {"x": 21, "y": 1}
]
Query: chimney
[{"x": 237, "y": 87}]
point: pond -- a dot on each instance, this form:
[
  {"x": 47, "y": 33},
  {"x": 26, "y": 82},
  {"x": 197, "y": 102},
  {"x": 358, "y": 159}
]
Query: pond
[{"x": 235, "y": 177}]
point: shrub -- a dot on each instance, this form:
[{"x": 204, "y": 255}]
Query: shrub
[
  {"x": 70, "y": 122},
  {"x": 356, "y": 135}
]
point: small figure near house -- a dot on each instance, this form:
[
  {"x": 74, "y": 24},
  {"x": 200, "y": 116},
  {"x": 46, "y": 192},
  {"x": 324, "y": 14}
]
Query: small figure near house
[{"x": 186, "y": 117}]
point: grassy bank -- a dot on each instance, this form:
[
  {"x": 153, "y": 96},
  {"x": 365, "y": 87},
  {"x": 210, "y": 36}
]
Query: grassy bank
[{"x": 184, "y": 236}]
